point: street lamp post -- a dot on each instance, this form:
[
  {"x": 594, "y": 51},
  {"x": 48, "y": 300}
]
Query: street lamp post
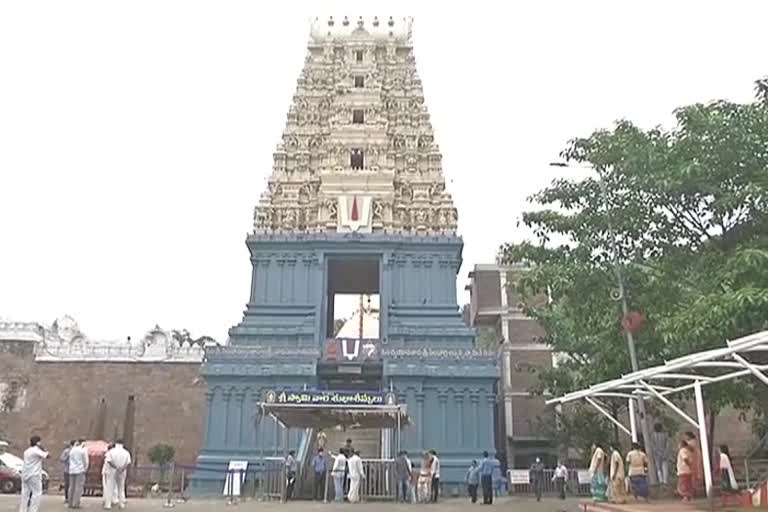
[{"x": 622, "y": 298}]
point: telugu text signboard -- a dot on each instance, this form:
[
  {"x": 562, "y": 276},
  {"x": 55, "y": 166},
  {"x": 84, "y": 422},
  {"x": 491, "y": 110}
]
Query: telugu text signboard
[{"x": 330, "y": 398}]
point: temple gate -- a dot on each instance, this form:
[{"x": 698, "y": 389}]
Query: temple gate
[{"x": 356, "y": 204}]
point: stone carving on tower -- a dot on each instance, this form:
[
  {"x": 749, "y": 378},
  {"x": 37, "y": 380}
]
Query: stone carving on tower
[{"x": 358, "y": 150}]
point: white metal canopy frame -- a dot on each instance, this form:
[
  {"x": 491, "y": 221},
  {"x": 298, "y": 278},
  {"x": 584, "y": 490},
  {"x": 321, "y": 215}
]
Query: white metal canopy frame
[{"x": 686, "y": 373}]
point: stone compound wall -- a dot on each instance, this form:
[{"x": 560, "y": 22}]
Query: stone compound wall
[{"x": 61, "y": 400}]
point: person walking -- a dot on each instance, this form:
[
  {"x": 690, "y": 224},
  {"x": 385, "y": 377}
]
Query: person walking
[
  {"x": 618, "y": 487},
  {"x": 322, "y": 438},
  {"x": 697, "y": 467},
  {"x": 424, "y": 487},
  {"x": 318, "y": 465},
  {"x": 435, "y": 472},
  {"x": 64, "y": 460},
  {"x": 637, "y": 467},
  {"x": 116, "y": 463},
  {"x": 32, "y": 476},
  {"x": 536, "y": 477},
  {"x": 356, "y": 474},
  {"x": 473, "y": 479},
  {"x": 659, "y": 451},
  {"x": 597, "y": 485},
  {"x": 486, "y": 478},
  {"x": 685, "y": 460},
  {"x": 78, "y": 467},
  {"x": 291, "y": 468},
  {"x": 403, "y": 477},
  {"x": 338, "y": 471},
  {"x": 560, "y": 478},
  {"x": 728, "y": 483}
]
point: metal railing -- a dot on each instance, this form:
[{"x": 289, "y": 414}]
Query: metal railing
[{"x": 549, "y": 486}]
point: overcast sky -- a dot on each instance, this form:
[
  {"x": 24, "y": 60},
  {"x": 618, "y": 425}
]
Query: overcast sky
[{"x": 135, "y": 137}]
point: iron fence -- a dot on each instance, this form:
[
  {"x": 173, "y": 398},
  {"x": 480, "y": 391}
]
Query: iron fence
[{"x": 576, "y": 484}]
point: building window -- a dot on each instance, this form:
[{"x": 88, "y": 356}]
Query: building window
[
  {"x": 359, "y": 81},
  {"x": 358, "y": 117},
  {"x": 359, "y": 55},
  {"x": 356, "y": 159}
]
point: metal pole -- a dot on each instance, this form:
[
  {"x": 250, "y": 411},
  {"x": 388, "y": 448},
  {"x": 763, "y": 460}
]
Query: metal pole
[
  {"x": 632, "y": 420},
  {"x": 703, "y": 438},
  {"x": 644, "y": 420},
  {"x": 169, "y": 498},
  {"x": 398, "y": 431}
]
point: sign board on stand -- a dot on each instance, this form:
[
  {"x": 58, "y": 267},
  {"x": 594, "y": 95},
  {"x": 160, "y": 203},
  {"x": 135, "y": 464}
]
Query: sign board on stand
[
  {"x": 583, "y": 477},
  {"x": 236, "y": 467},
  {"x": 519, "y": 476}
]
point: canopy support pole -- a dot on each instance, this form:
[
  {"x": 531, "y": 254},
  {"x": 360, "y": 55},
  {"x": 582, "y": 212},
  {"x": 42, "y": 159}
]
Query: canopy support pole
[
  {"x": 608, "y": 415},
  {"x": 669, "y": 403},
  {"x": 632, "y": 419},
  {"x": 703, "y": 437},
  {"x": 749, "y": 366}
]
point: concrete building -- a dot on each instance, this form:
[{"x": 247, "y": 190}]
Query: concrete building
[{"x": 495, "y": 308}]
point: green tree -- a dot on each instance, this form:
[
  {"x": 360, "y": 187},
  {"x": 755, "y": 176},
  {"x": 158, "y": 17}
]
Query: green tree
[{"x": 688, "y": 213}]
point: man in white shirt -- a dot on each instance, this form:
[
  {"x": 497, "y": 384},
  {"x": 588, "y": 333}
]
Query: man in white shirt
[
  {"x": 32, "y": 476},
  {"x": 338, "y": 470},
  {"x": 560, "y": 478},
  {"x": 435, "y": 469},
  {"x": 356, "y": 474},
  {"x": 78, "y": 466},
  {"x": 116, "y": 463}
]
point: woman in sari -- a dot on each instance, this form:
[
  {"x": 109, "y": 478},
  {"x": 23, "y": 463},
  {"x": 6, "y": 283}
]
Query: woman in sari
[
  {"x": 424, "y": 493},
  {"x": 697, "y": 467},
  {"x": 684, "y": 472},
  {"x": 597, "y": 473},
  {"x": 637, "y": 465},
  {"x": 728, "y": 483},
  {"x": 618, "y": 487}
]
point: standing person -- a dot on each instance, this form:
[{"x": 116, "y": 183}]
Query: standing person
[
  {"x": 322, "y": 438},
  {"x": 356, "y": 474},
  {"x": 318, "y": 465},
  {"x": 402, "y": 477},
  {"x": 78, "y": 466},
  {"x": 424, "y": 488},
  {"x": 64, "y": 460},
  {"x": 116, "y": 463},
  {"x": 560, "y": 478},
  {"x": 486, "y": 479},
  {"x": 496, "y": 477},
  {"x": 618, "y": 492},
  {"x": 435, "y": 472},
  {"x": 637, "y": 467},
  {"x": 597, "y": 472},
  {"x": 338, "y": 471},
  {"x": 32, "y": 476},
  {"x": 291, "y": 468},
  {"x": 684, "y": 471},
  {"x": 348, "y": 450},
  {"x": 536, "y": 476},
  {"x": 697, "y": 468},
  {"x": 473, "y": 479},
  {"x": 727, "y": 478},
  {"x": 660, "y": 448}
]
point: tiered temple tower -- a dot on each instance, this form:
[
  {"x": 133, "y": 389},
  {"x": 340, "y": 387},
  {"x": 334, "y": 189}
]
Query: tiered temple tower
[{"x": 356, "y": 203}]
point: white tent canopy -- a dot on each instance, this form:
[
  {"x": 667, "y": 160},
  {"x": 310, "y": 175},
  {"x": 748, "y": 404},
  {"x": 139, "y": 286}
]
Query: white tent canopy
[{"x": 686, "y": 373}]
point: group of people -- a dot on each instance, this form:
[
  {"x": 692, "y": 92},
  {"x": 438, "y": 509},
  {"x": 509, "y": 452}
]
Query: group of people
[
  {"x": 689, "y": 469},
  {"x": 75, "y": 463},
  {"x": 487, "y": 474},
  {"x": 347, "y": 472},
  {"x": 621, "y": 479}
]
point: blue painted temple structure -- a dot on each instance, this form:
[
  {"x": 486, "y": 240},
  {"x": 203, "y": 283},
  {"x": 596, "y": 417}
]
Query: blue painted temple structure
[{"x": 356, "y": 204}]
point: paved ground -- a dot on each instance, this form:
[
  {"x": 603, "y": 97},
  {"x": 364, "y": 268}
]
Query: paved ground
[{"x": 10, "y": 503}]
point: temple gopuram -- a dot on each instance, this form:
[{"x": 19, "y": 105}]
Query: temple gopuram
[{"x": 356, "y": 204}]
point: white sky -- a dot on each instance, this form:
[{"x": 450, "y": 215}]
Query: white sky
[{"x": 135, "y": 137}]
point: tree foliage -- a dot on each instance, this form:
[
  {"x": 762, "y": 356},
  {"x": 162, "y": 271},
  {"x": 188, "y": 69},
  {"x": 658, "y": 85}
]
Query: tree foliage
[{"x": 683, "y": 212}]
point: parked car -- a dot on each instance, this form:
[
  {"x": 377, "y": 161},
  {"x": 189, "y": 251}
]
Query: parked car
[{"x": 10, "y": 472}]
